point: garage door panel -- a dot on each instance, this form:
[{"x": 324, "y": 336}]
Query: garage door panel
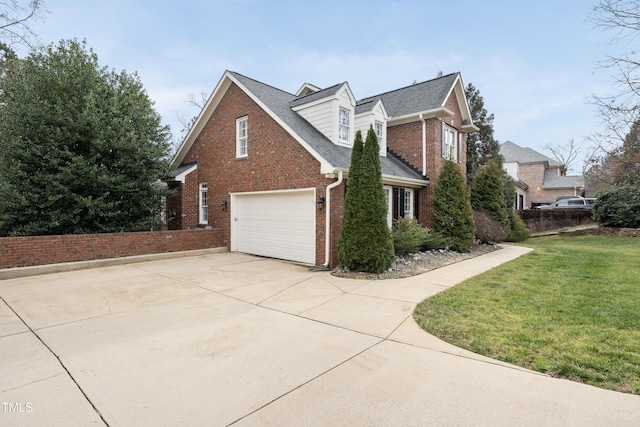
[{"x": 278, "y": 225}]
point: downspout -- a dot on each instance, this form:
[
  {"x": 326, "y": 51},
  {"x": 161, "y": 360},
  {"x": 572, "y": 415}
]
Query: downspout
[
  {"x": 424, "y": 145},
  {"x": 327, "y": 235}
]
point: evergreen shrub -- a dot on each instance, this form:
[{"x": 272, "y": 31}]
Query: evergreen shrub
[
  {"x": 408, "y": 236},
  {"x": 452, "y": 213},
  {"x": 518, "y": 231},
  {"x": 618, "y": 206},
  {"x": 488, "y": 193}
]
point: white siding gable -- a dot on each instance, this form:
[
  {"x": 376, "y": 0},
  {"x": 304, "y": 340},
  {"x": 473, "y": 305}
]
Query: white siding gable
[
  {"x": 320, "y": 115},
  {"x": 324, "y": 113},
  {"x": 512, "y": 169},
  {"x": 369, "y": 118}
]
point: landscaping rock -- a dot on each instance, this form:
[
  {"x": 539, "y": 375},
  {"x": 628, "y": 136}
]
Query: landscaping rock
[{"x": 417, "y": 263}]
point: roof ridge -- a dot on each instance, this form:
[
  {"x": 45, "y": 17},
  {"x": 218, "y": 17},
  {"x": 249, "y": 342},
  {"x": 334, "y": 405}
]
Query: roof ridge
[
  {"x": 262, "y": 83},
  {"x": 321, "y": 90},
  {"x": 408, "y": 86}
]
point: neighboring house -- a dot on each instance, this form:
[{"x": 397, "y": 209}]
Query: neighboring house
[
  {"x": 271, "y": 168},
  {"x": 539, "y": 179}
]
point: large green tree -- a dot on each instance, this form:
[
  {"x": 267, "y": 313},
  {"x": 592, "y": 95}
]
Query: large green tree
[
  {"x": 481, "y": 145},
  {"x": 80, "y": 146},
  {"x": 365, "y": 242},
  {"x": 452, "y": 213}
]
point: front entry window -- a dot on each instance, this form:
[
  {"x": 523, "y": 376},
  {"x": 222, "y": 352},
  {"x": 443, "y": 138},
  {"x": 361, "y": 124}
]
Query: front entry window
[{"x": 408, "y": 203}]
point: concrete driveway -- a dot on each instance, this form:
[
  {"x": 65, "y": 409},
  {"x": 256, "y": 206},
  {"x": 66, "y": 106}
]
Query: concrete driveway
[{"x": 226, "y": 338}]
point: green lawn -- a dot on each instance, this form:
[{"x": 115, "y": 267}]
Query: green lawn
[{"x": 570, "y": 308}]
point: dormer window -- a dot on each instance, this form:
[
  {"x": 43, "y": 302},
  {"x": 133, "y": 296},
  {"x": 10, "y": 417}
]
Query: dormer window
[
  {"x": 379, "y": 128},
  {"x": 343, "y": 125}
]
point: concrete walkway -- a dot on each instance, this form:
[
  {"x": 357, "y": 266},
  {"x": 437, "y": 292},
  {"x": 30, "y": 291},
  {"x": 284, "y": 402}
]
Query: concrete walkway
[{"x": 231, "y": 339}]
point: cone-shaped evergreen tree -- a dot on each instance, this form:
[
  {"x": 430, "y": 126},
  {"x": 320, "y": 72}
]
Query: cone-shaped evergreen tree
[
  {"x": 347, "y": 242},
  {"x": 488, "y": 193},
  {"x": 365, "y": 242},
  {"x": 452, "y": 214}
]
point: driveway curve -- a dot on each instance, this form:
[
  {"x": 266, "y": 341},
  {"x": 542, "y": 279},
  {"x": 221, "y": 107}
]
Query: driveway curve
[{"x": 232, "y": 339}]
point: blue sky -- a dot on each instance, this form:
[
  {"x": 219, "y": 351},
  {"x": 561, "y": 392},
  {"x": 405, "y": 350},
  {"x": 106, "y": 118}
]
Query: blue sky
[{"x": 535, "y": 63}]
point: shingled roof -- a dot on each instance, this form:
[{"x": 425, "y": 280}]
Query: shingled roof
[
  {"x": 515, "y": 153},
  {"x": 553, "y": 181},
  {"x": 416, "y": 98},
  {"x": 279, "y": 102},
  {"x": 411, "y": 100}
]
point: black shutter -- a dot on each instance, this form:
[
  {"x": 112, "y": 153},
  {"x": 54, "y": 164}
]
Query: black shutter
[
  {"x": 401, "y": 200},
  {"x": 415, "y": 204},
  {"x": 395, "y": 203}
]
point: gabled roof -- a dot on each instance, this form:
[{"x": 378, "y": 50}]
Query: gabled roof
[
  {"x": 316, "y": 96},
  {"x": 418, "y": 97},
  {"x": 180, "y": 173},
  {"x": 277, "y": 103},
  {"x": 306, "y": 89},
  {"x": 427, "y": 98},
  {"x": 515, "y": 153},
  {"x": 366, "y": 107},
  {"x": 552, "y": 180}
]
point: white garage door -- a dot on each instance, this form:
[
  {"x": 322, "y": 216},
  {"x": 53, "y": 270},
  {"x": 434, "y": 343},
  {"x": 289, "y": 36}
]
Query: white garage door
[{"x": 278, "y": 225}]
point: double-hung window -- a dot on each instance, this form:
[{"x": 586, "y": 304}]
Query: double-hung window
[
  {"x": 408, "y": 203},
  {"x": 379, "y": 128},
  {"x": 203, "y": 203},
  {"x": 242, "y": 132},
  {"x": 343, "y": 125},
  {"x": 449, "y": 143}
]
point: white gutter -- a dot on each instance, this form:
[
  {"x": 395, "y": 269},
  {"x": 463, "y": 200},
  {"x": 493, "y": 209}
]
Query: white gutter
[
  {"x": 424, "y": 145},
  {"x": 327, "y": 233}
]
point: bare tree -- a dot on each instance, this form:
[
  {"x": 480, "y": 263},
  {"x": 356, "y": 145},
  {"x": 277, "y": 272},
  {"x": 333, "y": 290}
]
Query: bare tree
[
  {"x": 565, "y": 154},
  {"x": 571, "y": 154},
  {"x": 197, "y": 101},
  {"x": 620, "y": 110},
  {"x": 14, "y": 21}
]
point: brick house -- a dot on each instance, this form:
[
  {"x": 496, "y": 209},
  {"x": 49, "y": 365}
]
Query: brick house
[
  {"x": 539, "y": 179},
  {"x": 270, "y": 168}
]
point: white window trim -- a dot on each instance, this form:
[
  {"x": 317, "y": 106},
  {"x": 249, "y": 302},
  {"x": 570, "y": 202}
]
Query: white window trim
[
  {"x": 203, "y": 203},
  {"x": 381, "y": 135},
  {"x": 242, "y": 141},
  {"x": 449, "y": 148},
  {"x": 346, "y": 125},
  {"x": 408, "y": 196},
  {"x": 388, "y": 193}
]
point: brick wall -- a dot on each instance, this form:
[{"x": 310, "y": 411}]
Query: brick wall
[
  {"x": 275, "y": 161},
  {"x": 42, "y": 250},
  {"x": 406, "y": 141},
  {"x": 538, "y": 220}
]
